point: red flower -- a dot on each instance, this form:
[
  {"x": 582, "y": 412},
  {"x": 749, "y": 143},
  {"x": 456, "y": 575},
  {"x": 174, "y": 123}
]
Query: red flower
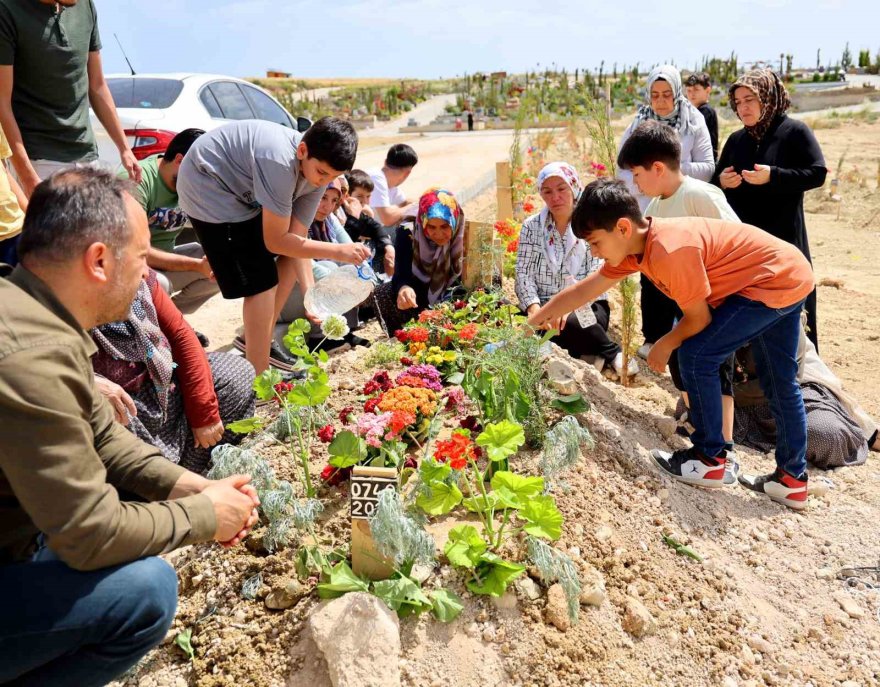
[
  {"x": 381, "y": 381},
  {"x": 528, "y": 207},
  {"x": 401, "y": 335},
  {"x": 418, "y": 334},
  {"x": 406, "y": 361},
  {"x": 411, "y": 462},
  {"x": 344, "y": 414},
  {"x": 471, "y": 422},
  {"x": 400, "y": 420},
  {"x": 456, "y": 451},
  {"x": 370, "y": 405},
  {"x": 468, "y": 332},
  {"x": 459, "y": 305},
  {"x": 334, "y": 476},
  {"x": 513, "y": 246},
  {"x": 326, "y": 433}
]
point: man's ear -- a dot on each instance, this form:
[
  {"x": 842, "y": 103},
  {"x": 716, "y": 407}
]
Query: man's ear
[
  {"x": 625, "y": 227},
  {"x": 302, "y": 151},
  {"x": 178, "y": 159},
  {"x": 98, "y": 262}
]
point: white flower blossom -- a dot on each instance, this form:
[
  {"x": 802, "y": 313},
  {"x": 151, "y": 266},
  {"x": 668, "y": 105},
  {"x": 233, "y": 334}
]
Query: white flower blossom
[{"x": 334, "y": 327}]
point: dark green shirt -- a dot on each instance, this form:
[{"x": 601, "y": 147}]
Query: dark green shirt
[{"x": 49, "y": 55}]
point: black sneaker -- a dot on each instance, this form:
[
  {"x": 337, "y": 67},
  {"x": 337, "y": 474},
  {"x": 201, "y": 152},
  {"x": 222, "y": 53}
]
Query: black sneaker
[
  {"x": 780, "y": 487},
  {"x": 692, "y": 467},
  {"x": 203, "y": 339},
  {"x": 355, "y": 340},
  {"x": 281, "y": 358}
]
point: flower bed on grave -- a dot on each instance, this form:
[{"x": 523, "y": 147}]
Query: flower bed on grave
[{"x": 449, "y": 424}]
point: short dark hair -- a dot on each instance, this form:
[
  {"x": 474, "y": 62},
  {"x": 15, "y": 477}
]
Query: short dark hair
[
  {"x": 70, "y": 211},
  {"x": 181, "y": 143},
  {"x": 651, "y": 142},
  {"x": 332, "y": 141},
  {"x": 358, "y": 178},
  {"x": 401, "y": 156},
  {"x": 699, "y": 79},
  {"x": 601, "y": 204}
]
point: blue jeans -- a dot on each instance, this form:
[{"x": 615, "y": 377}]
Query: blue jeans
[
  {"x": 774, "y": 335},
  {"x": 60, "y": 626}
]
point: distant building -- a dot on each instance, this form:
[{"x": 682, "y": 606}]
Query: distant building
[{"x": 275, "y": 74}]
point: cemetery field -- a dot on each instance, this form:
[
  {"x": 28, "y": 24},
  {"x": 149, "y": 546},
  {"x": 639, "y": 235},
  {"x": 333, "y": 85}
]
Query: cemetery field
[{"x": 753, "y": 598}]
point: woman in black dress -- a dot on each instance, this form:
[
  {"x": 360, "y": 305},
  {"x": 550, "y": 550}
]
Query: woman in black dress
[{"x": 766, "y": 166}]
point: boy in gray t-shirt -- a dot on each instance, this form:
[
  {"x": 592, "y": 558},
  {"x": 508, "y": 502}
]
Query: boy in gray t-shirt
[{"x": 250, "y": 189}]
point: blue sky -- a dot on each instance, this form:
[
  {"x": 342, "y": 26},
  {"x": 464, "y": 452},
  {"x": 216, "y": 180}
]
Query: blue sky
[{"x": 434, "y": 38}]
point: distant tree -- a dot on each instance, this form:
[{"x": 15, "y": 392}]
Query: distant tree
[
  {"x": 818, "y": 60},
  {"x": 846, "y": 58},
  {"x": 864, "y": 58},
  {"x": 788, "y": 60}
]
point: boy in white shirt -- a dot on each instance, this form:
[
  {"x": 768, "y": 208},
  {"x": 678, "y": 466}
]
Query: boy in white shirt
[{"x": 389, "y": 202}]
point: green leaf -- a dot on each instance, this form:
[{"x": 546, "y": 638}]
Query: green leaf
[
  {"x": 342, "y": 580},
  {"x": 477, "y": 504},
  {"x": 501, "y": 439},
  {"x": 542, "y": 517},
  {"x": 464, "y": 546},
  {"x": 299, "y": 326},
  {"x": 347, "y": 449},
  {"x": 455, "y": 378},
  {"x": 442, "y": 498},
  {"x": 514, "y": 490},
  {"x": 573, "y": 404},
  {"x": 402, "y": 595},
  {"x": 184, "y": 641},
  {"x": 265, "y": 383},
  {"x": 495, "y": 574},
  {"x": 246, "y": 426},
  {"x": 311, "y": 393},
  {"x": 445, "y": 605},
  {"x": 323, "y": 356},
  {"x": 430, "y": 471}
]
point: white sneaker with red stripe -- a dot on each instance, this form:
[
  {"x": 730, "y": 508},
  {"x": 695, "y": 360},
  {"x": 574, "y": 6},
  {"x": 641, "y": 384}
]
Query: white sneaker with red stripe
[
  {"x": 780, "y": 487},
  {"x": 692, "y": 467}
]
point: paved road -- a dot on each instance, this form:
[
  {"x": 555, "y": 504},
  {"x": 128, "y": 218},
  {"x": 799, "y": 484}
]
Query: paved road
[{"x": 423, "y": 113}]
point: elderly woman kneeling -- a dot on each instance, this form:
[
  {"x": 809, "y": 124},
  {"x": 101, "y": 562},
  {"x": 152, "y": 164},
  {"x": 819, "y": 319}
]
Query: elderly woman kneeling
[{"x": 549, "y": 258}]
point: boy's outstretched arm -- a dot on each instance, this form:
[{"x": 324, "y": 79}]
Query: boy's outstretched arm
[
  {"x": 571, "y": 298},
  {"x": 697, "y": 317}
]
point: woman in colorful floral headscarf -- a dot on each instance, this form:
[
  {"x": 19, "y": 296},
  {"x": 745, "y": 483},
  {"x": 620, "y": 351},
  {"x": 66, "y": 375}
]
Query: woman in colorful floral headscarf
[
  {"x": 666, "y": 102},
  {"x": 766, "y": 167},
  {"x": 549, "y": 257},
  {"x": 428, "y": 260}
]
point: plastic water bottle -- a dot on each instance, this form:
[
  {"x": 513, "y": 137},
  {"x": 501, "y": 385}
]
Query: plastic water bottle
[
  {"x": 340, "y": 291},
  {"x": 585, "y": 315}
]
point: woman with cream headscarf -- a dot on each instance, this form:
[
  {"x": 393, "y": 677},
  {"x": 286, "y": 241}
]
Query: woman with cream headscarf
[
  {"x": 668, "y": 104},
  {"x": 549, "y": 257},
  {"x": 428, "y": 260},
  {"x": 766, "y": 166}
]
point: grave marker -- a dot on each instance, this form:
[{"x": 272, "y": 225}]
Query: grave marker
[{"x": 366, "y": 485}]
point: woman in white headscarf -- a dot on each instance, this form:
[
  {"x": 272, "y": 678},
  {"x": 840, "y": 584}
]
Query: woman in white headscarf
[
  {"x": 667, "y": 103},
  {"x": 549, "y": 257}
]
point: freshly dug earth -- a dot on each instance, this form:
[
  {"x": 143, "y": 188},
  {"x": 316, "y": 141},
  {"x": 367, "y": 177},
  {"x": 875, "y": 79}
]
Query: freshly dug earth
[{"x": 762, "y": 608}]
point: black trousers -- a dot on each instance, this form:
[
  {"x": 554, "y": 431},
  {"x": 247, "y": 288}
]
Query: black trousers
[
  {"x": 659, "y": 312},
  {"x": 592, "y": 340}
]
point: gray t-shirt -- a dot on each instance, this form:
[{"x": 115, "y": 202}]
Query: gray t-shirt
[{"x": 233, "y": 171}]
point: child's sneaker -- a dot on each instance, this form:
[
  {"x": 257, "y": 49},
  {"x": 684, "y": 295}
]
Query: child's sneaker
[
  {"x": 644, "y": 349},
  {"x": 632, "y": 367},
  {"x": 780, "y": 487},
  {"x": 692, "y": 467}
]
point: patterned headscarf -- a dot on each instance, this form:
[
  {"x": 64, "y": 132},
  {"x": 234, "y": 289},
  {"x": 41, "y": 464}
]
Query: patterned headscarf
[
  {"x": 321, "y": 230},
  {"x": 574, "y": 250},
  {"x": 769, "y": 90},
  {"x": 684, "y": 116},
  {"x": 139, "y": 339},
  {"x": 438, "y": 266}
]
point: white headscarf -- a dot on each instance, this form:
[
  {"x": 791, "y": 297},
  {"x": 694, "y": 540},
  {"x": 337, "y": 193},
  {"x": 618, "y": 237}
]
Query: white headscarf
[
  {"x": 574, "y": 250},
  {"x": 684, "y": 117}
]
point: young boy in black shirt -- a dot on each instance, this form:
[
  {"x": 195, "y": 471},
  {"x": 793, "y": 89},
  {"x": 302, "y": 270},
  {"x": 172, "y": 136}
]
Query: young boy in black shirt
[
  {"x": 360, "y": 223},
  {"x": 699, "y": 86}
]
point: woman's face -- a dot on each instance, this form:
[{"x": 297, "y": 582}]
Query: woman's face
[
  {"x": 438, "y": 230},
  {"x": 329, "y": 203},
  {"x": 557, "y": 195},
  {"x": 662, "y": 98},
  {"x": 748, "y": 107}
]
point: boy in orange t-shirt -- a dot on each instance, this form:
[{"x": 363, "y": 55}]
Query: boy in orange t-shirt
[{"x": 735, "y": 284}]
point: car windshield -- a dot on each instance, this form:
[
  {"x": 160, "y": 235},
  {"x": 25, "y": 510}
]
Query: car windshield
[{"x": 146, "y": 94}]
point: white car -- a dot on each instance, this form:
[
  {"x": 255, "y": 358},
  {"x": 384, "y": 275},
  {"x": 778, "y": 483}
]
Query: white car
[{"x": 155, "y": 107}]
